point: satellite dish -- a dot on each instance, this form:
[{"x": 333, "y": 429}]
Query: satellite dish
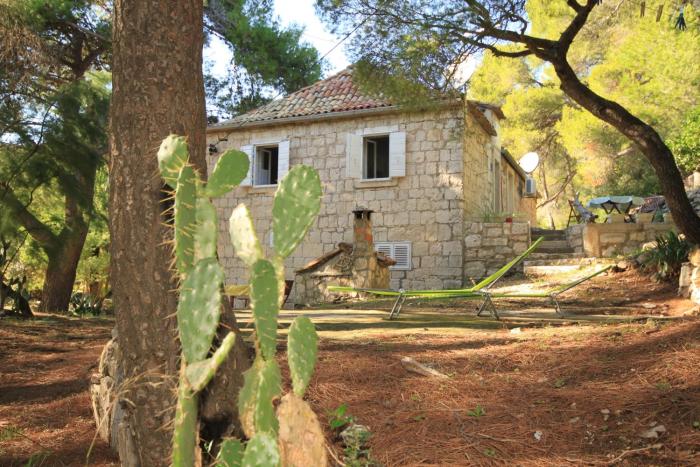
[{"x": 529, "y": 162}]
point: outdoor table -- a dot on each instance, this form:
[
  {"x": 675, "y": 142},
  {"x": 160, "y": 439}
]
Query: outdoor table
[{"x": 621, "y": 204}]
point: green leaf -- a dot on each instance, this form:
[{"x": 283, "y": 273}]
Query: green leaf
[
  {"x": 264, "y": 301},
  {"x": 302, "y": 348},
  {"x": 200, "y": 373},
  {"x": 185, "y": 219},
  {"x": 199, "y": 308},
  {"x": 228, "y": 173},
  {"x": 261, "y": 451},
  {"x": 295, "y": 207},
  {"x": 230, "y": 453},
  {"x": 243, "y": 236},
  {"x": 206, "y": 230},
  {"x": 172, "y": 156}
]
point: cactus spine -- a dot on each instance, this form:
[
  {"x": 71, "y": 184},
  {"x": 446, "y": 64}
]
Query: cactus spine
[{"x": 271, "y": 434}]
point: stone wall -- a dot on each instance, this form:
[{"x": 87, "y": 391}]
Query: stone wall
[
  {"x": 426, "y": 207},
  {"x": 608, "y": 240},
  {"x": 490, "y": 245}
]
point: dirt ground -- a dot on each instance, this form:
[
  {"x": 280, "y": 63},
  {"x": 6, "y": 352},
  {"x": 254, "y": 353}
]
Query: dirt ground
[{"x": 556, "y": 392}]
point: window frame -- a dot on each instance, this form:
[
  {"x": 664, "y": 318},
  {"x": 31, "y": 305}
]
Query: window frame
[
  {"x": 369, "y": 138},
  {"x": 256, "y": 155}
]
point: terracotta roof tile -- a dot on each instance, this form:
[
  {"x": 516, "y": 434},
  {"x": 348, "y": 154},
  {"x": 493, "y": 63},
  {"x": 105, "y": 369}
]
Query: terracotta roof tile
[{"x": 332, "y": 95}]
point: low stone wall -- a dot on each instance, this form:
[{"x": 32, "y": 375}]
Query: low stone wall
[
  {"x": 609, "y": 240},
  {"x": 489, "y": 245}
]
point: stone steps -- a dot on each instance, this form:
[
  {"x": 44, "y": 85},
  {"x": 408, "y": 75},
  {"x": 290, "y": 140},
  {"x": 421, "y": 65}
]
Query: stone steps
[{"x": 545, "y": 266}]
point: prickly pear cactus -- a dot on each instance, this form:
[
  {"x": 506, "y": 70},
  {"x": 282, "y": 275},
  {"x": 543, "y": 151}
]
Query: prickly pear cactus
[{"x": 273, "y": 434}]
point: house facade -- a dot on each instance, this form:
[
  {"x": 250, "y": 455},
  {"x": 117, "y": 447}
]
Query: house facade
[{"x": 427, "y": 175}]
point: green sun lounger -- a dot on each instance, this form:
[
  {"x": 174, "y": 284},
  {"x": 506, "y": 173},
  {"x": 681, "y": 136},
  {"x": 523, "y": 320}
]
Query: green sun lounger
[
  {"x": 552, "y": 294},
  {"x": 471, "y": 292}
]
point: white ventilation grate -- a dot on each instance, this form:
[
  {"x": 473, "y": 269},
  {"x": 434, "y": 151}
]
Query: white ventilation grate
[{"x": 398, "y": 251}]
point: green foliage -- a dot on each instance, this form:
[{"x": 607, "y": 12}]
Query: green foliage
[
  {"x": 666, "y": 258},
  {"x": 477, "y": 412},
  {"x": 339, "y": 418},
  {"x": 685, "y": 143},
  {"x": 83, "y": 304},
  {"x": 296, "y": 204}
]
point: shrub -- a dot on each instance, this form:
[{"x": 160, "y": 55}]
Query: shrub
[{"x": 666, "y": 258}]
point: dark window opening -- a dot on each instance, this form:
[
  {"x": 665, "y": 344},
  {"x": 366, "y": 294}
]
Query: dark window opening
[{"x": 376, "y": 157}]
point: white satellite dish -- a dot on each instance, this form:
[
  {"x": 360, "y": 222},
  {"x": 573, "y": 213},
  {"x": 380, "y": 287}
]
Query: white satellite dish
[{"x": 529, "y": 162}]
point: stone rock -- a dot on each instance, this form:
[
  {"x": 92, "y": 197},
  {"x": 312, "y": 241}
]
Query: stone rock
[
  {"x": 516, "y": 331},
  {"x": 694, "y": 256},
  {"x": 653, "y": 432}
]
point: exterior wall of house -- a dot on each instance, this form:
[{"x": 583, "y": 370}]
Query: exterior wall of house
[
  {"x": 425, "y": 207},
  {"x": 481, "y": 158}
]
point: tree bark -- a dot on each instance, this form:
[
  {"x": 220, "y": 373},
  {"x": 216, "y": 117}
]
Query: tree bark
[
  {"x": 644, "y": 136},
  {"x": 64, "y": 255},
  {"x": 157, "y": 90}
]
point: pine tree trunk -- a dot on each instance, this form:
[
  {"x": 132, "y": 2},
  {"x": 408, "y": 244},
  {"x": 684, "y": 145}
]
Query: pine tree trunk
[
  {"x": 60, "y": 275},
  {"x": 157, "y": 90},
  {"x": 647, "y": 140}
]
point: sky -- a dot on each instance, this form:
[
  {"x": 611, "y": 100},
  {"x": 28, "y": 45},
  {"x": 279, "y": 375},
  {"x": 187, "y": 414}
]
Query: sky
[{"x": 300, "y": 12}]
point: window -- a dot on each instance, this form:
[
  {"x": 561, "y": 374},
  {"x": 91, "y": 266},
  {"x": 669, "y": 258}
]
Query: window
[
  {"x": 398, "y": 251},
  {"x": 266, "y": 159},
  {"x": 375, "y": 157}
]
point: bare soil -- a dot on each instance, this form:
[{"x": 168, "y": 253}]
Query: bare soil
[{"x": 575, "y": 394}]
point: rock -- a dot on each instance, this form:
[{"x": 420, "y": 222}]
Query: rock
[
  {"x": 653, "y": 432},
  {"x": 694, "y": 256},
  {"x": 574, "y": 420},
  {"x": 695, "y": 311},
  {"x": 622, "y": 266},
  {"x": 516, "y": 331},
  {"x": 355, "y": 436},
  {"x": 648, "y": 246},
  {"x": 649, "y": 306},
  {"x": 538, "y": 435},
  {"x": 413, "y": 366}
]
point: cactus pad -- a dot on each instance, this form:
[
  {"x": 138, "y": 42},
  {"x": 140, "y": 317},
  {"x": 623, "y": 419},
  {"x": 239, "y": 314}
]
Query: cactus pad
[
  {"x": 261, "y": 451},
  {"x": 199, "y": 309},
  {"x": 262, "y": 383},
  {"x": 206, "y": 230},
  {"x": 296, "y": 204},
  {"x": 302, "y": 348},
  {"x": 200, "y": 373},
  {"x": 228, "y": 173},
  {"x": 230, "y": 453},
  {"x": 264, "y": 300},
  {"x": 172, "y": 156},
  {"x": 185, "y": 219},
  {"x": 243, "y": 237},
  {"x": 300, "y": 440}
]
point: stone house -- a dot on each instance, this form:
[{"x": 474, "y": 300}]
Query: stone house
[{"x": 428, "y": 175}]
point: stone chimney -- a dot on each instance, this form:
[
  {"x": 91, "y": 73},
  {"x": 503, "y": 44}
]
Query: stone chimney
[{"x": 364, "y": 258}]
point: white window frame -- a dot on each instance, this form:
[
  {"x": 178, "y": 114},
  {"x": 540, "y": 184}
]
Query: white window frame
[
  {"x": 366, "y": 141},
  {"x": 389, "y": 248},
  {"x": 257, "y": 164}
]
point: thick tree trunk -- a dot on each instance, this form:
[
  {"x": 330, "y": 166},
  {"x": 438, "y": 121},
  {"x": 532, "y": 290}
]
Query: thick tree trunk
[
  {"x": 64, "y": 256},
  {"x": 645, "y": 137},
  {"x": 157, "y": 90}
]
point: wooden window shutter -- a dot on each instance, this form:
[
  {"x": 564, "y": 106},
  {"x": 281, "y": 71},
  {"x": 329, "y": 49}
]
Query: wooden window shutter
[
  {"x": 397, "y": 154},
  {"x": 248, "y": 150},
  {"x": 353, "y": 156},
  {"x": 282, "y": 160}
]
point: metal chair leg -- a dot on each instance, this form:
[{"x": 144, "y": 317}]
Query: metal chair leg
[
  {"x": 396, "y": 309},
  {"x": 557, "y": 306},
  {"x": 488, "y": 304}
]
